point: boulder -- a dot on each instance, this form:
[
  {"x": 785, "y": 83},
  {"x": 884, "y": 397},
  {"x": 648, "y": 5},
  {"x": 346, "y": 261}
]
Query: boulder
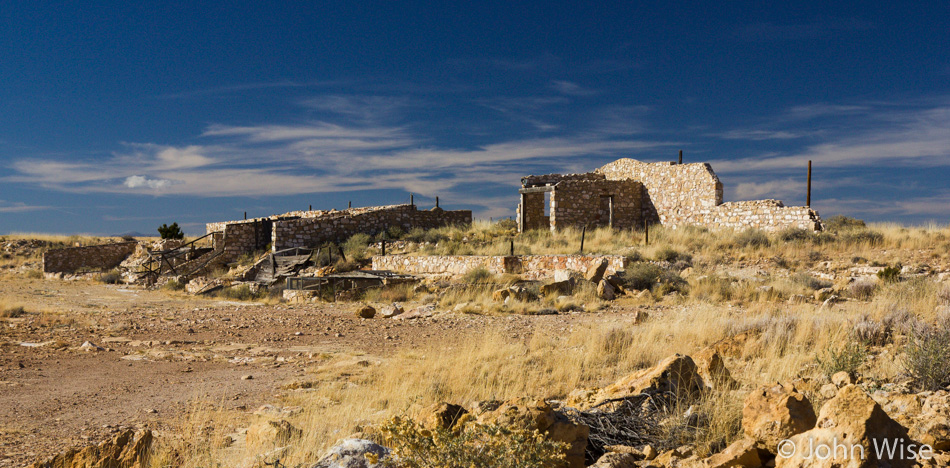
[
  {"x": 617, "y": 282},
  {"x": 596, "y": 271},
  {"x": 499, "y": 295},
  {"x": 776, "y": 412},
  {"x": 853, "y": 428},
  {"x": 353, "y": 453},
  {"x": 443, "y": 415},
  {"x": 605, "y": 291},
  {"x": 828, "y": 391},
  {"x": 824, "y": 293},
  {"x": 558, "y": 288},
  {"x": 524, "y": 413},
  {"x": 366, "y": 312},
  {"x": 391, "y": 311},
  {"x": 269, "y": 434},
  {"x": 742, "y": 452},
  {"x": 840, "y": 379},
  {"x": 616, "y": 460},
  {"x": 416, "y": 313},
  {"x": 127, "y": 449},
  {"x": 713, "y": 370},
  {"x": 676, "y": 375}
]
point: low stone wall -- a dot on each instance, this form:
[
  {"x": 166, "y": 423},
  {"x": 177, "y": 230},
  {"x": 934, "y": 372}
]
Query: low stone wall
[
  {"x": 93, "y": 257},
  {"x": 308, "y": 232},
  {"x": 533, "y": 267},
  {"x": 767, "y": 215}
]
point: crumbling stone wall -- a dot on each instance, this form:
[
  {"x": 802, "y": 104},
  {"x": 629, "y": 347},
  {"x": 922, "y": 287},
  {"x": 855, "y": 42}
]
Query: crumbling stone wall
[
  {"x": 307, "y": 232},
  {"x": 675, "y": 191},
  {"x": 93, "y": 257},
  {"x": 767, "y": 215},
  {"x": 590, "y": 203},
  {"x": 534, "y": 267}
]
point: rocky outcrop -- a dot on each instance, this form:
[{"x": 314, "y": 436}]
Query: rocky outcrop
[
  {"x": 353, "y": 453},
  {"x": 776, "y": 412},
  {"x": 538, "y": 415},
  {"x": 128, "y": 449},
  {"x": 853, "y": 428}
]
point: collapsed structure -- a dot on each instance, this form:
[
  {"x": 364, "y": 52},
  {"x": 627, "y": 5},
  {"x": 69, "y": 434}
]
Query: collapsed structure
[
  {"x": 629, "y": 194},
  {"x": 230, "y": 240}
]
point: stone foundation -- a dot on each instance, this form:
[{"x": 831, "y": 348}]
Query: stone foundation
[
  {"x": 93, "y": 257},
  {"x": 532, "y": 267}
]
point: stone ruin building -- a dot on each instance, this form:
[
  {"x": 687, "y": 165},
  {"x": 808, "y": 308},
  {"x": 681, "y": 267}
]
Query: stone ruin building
[
  {"x": 230, "y": 240},
  {"x": 629, "y": 194}
]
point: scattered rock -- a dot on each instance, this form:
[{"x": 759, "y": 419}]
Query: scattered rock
[
  {"x": 676, "y": 375},
  {"x": 823, "y": 294},
  {"x": 391, "y": 311},
  {"x": 605, "y": 291},
  {"x": 596, "y": 271},
  {"x": 776, "y": 412},
  {"x": 247, "y": 377},
  {"x": 840, "y": 379},
  {"x": 558, "y": 288},
  {"x": 616, "y": 460},
  {"x": 828, "y": 391},
  {"x": 366, "y": 312},
  {"x": 89, "y": 346},
  {"x": 419, "y": 312},
  {"x": 353, "y": 453},
  {"x": 741, "y": 453}
]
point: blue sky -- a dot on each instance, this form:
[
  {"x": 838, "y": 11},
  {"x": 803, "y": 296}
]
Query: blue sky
[{"x": 121, "y": 116}]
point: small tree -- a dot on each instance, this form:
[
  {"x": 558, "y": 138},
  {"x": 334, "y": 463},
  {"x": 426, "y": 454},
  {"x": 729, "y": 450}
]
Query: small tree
[{"x": 171, "y": 232}]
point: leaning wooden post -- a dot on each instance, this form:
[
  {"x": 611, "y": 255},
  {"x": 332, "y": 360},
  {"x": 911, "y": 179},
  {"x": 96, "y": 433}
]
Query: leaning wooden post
[
  {"x": 349, "y": 204},
  {"x": 681, "y": 156},
  {"x": 511, "y": 248},
  {"x": 583, "y": 235},
  {"x": 808, "y": 196},
  {"x": 436, "y": 202}
]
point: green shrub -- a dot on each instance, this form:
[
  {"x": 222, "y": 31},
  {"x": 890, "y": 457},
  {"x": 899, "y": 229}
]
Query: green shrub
[
  {"x": 646, "y": 275},
  {"x": 891, "y": 274},
  {"x": 809, "y": 281},
  {"x": 111, "y": 277},
  {"x": 848, "y": 358},
  {"x": 477, "y": 275},
  {"x": 864, "y": 236},
  {"x": 794, "y": 235},
  {"x": 355, "y": 246},
  {"x": 471, "y": 445},
  {"x": 174, "y": 285},
  {"x": 12, "y": 312},
  {"x": 668, "y": 254},
  {"x": 752, "y": 238},
  {"x": 926, "y": 355},
  {"x": 240, "y": 293},
  {"x": 842, "y": 223},
  {"x": 170, "y": 232},
  {"x": 34, "y": 274}
]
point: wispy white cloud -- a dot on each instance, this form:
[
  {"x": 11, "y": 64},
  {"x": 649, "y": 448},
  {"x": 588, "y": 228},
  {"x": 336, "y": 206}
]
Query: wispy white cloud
[
  {"x": 757, "y": 135},
  {"x": 137, "y": 181},
  {"x": 914, "y": 137},
  {"x": 571, "y": 88},
  {"x": 19, "y": 207}
]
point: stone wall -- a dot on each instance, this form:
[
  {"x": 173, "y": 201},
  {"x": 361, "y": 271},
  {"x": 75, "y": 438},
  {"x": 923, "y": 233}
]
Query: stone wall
[
  {"x": 308, "y": 232},
  {"x": 528, "y": 266},
  {"x": 245, "y": 236},
  {"x": 674, "y": 192},
  {"x": 767, "y": 215},
  {"x": 93, "y": 257},
  {"x": 589, "y": 203}
]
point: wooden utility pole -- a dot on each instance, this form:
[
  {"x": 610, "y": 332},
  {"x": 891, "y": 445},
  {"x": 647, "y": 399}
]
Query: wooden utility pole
[{"x": 808, "y": 196}]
